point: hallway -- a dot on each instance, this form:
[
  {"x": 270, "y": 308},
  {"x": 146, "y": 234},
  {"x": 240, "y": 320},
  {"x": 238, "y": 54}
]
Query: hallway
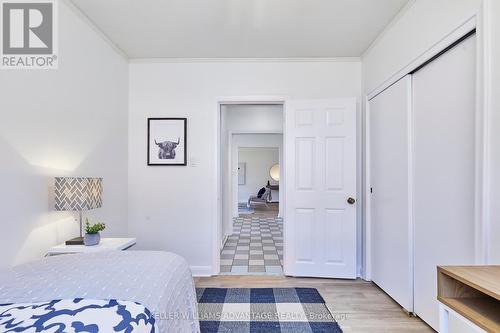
[{"x": 255, "y": 247}]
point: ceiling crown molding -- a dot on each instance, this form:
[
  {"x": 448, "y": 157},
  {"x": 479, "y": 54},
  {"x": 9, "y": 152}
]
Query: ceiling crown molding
[{"x": 242, "y": 60}]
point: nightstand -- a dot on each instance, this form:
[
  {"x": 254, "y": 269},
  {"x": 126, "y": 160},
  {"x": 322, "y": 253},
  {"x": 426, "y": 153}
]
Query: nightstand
[{"x": 106, "y": 244}]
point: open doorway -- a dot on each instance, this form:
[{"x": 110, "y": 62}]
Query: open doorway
[{"x": 252, "y": 199}]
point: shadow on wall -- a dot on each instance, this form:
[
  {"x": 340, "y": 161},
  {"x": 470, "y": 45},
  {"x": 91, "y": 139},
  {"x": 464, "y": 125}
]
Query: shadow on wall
[{"x": 30, "y": 224}]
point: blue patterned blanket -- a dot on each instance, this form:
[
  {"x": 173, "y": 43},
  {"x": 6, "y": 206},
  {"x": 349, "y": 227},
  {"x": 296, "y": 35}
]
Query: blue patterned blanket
[{"x": 77, "y": 315}]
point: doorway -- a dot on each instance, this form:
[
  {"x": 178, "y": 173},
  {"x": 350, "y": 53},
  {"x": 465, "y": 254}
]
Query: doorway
[
  {"x": 318, "y": 180},
  {"x": 251, "y": 159}
]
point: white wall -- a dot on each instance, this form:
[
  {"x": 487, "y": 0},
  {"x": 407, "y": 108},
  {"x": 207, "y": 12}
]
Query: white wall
[
  {"x": 258, "y": 162},
  {"x": 170, "y": 207},
  {"x": 69, "y": 121}
]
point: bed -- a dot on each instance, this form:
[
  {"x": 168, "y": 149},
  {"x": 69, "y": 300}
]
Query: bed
[{"x": 160, "y": 282}]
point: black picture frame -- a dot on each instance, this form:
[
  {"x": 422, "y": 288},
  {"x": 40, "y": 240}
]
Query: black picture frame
[{"x": 167, "y": 160}]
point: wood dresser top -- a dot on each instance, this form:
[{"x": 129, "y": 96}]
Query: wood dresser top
[
  {"x": 483, "y": 278},
  {"x": 473, "y": 292}
]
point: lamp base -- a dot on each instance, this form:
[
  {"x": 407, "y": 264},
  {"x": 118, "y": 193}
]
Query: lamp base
[{"x": 75, "y": 241}]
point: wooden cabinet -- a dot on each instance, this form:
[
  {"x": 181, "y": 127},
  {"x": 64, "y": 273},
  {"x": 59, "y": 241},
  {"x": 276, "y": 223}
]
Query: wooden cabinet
[{"x": 469, "y": 295}]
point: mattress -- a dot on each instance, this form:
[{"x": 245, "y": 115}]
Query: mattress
[{"x": 160, "y": 281}]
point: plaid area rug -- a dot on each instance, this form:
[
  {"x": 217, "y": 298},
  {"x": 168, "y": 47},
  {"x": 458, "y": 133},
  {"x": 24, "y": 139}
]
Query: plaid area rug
[{"x": 264, "y": 310}]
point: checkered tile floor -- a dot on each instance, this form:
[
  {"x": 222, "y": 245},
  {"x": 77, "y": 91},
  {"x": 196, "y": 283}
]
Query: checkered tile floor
[{"x": 256, "y": 247}]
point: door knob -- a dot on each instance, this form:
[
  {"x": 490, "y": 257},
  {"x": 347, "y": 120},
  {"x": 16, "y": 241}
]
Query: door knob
[{"x": 351, "y": 201}]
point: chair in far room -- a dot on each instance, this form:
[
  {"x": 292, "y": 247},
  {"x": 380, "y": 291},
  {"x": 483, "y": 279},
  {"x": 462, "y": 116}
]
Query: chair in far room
[{"x": 260, "y": 198}]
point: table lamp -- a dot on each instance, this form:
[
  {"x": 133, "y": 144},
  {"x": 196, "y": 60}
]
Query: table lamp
[{"x": 77, "y": 194}]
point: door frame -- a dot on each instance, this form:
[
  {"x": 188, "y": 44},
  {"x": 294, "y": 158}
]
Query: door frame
[
  {"x": 483, "y": 138},
  {"x": 217, "y": 179}
]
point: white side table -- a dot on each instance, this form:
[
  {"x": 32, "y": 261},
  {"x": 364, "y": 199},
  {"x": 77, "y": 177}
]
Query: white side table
[{"x": 106, "y": 244}]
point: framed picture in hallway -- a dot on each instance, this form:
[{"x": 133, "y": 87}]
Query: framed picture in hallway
[
  {"x": 167, "y": 141},
  {"x": 242, "y": 173}
]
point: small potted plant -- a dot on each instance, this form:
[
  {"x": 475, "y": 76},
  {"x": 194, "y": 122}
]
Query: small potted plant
[{"x": 92, "y": 235}]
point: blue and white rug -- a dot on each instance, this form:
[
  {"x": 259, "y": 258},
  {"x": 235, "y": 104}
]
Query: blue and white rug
[{"x": 264, "y": 310}]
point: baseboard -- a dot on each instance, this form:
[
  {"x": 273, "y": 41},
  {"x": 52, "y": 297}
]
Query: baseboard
[
  {"x": 223, "y": 242},
  {"x": 200, "y": 271}
]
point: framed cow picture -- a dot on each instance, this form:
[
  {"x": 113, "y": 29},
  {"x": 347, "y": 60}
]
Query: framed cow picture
[{"x": 167, "y": 139}]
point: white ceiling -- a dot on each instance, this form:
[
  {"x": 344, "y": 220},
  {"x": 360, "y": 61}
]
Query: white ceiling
[{"x": 241, "y": 28}]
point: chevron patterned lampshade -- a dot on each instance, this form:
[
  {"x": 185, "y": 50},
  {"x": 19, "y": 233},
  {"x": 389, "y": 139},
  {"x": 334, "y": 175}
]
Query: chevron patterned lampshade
[{"x": 78, "y": 193}]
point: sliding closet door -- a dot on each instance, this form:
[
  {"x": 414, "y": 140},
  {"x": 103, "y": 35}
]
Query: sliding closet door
[
  {"x": 444, "y": 169},
  {"x": 392, "y": 253}
]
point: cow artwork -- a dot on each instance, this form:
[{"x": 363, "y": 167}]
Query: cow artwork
[
  {"x": 167, "y": 141},
  {"x": 166, "y": 149}
]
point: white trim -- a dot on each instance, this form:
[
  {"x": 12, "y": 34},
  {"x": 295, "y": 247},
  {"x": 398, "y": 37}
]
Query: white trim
[
  {"x": 161, "y": 60},
  {"x": 239, "y": 132},
  {"x": 223, "y": 242},
  {"x": 201, "y": 271},
  {"x": 234, "y": 209},
  {"x": 442, "y": 44},
  {"x": 217, "y": 200},
  {"x": 96, "y": 29},
  {"x": 479, "y": 153},
  {"x": 483, "y": 222},
  {"x": 367, "y": 198},
  {"x": 244, "y": 100},
  {"x": 389, "y": 27},
  {"x": 411, "y": 178},
  {"x": 258, "y": 148},
  {"x": 288, "y": 228}
]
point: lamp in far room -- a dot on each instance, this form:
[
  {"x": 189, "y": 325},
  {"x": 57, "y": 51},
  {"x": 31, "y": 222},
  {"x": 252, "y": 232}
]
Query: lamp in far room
[
  {"x": 274, "y": 172},
  {"x": 77, "y": 194}
]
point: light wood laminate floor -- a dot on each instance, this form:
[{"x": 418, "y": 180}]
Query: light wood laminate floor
[{"x": 358, "y": 306}]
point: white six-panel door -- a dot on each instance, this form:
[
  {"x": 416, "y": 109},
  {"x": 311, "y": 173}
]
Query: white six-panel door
[{"x": 321, "y": 176}]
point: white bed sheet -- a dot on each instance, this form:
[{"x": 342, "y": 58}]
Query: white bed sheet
[{"x": 160, "y": 281}]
